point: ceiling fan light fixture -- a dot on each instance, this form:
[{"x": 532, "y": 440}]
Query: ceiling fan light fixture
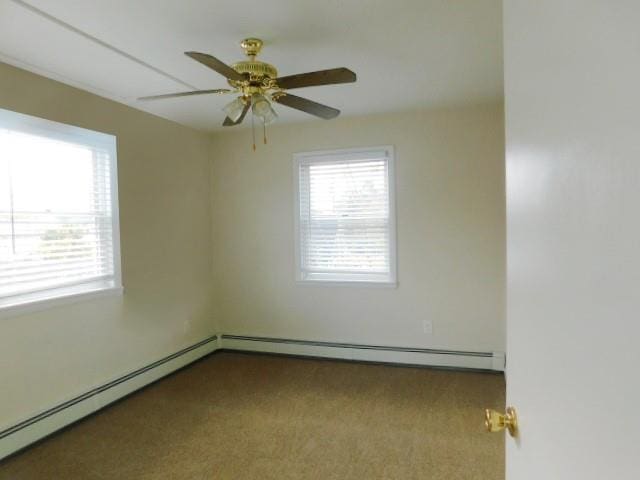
[
  {"x": 234, "y": 109},
  {"x": 259, "y": 85},
  {"x": 262, "y": 109}
]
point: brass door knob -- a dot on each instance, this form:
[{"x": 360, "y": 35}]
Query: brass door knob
[{"x": 496, "y": 422}]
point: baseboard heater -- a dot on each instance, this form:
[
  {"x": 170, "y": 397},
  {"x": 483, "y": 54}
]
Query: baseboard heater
[
  {"x": 41, "y": 425},
  {"x": 32, "y": 429},
  {"x": 487, "y": 361}
]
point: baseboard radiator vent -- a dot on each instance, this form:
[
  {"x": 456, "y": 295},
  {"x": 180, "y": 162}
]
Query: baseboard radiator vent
[
  {"x": 30, "y": 430},
  {"x": 487, "y": 361}
]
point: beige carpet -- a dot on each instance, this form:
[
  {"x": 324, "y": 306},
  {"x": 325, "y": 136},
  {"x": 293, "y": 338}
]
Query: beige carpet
[{"x": 242, "y": 416}]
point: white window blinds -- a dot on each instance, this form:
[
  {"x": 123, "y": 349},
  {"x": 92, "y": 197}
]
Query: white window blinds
[
  {"x": 345, "y": 219},
  {"x": 58, "y": 217}
]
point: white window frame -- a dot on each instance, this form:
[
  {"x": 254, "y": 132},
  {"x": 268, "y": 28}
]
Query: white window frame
[
  {"x": 47, "y": 298},
  {"x": 341, "y": 280}
]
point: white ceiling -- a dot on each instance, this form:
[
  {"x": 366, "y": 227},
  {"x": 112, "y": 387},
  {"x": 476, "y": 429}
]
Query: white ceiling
[{"x": 408, "y": 54}]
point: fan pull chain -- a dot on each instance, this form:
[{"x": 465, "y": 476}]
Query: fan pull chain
[
  {"x": 253, "y": 133},
  {"x": 264, "y": 132}
]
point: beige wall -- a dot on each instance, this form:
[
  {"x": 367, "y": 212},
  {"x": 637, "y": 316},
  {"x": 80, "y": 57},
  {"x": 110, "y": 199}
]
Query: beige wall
[
  {"x": 450, "y": 213},
  {"x": 55, "y": 354},
  {"x": 451, "y": 233}
]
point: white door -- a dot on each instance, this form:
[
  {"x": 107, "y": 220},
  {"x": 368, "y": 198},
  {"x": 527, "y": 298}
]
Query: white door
[{"x": 572, "y": 86}]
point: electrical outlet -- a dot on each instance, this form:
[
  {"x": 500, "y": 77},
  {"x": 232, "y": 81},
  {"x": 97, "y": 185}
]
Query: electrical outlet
[{"x": 427, "y": 327}]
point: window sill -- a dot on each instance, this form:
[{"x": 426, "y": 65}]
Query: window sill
[
  {"x": 34, "y": 302},
  {"x": 343, "y": 283}
]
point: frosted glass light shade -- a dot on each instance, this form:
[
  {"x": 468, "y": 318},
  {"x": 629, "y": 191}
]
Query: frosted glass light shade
[
  {"x": 262, "y": 109},
  {"x": 234, "y": 109}
]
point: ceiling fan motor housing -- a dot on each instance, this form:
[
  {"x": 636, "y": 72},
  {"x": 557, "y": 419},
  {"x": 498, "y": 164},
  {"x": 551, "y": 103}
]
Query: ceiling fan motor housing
[
  {"x": 256, "y": 70},
  {"x": 260, "y": 75}
]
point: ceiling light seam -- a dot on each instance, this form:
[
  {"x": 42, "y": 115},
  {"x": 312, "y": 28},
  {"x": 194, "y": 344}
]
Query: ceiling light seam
[{"x": 102, "y": 43}]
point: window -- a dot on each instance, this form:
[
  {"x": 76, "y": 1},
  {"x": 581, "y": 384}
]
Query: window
[
  {"x": 345, "y": 216},
  {"x": 58, "y": 211}
]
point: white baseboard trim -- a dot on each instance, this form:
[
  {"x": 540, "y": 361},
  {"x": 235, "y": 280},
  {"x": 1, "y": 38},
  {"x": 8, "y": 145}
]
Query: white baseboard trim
[
  {"x": 494, "y": 361},
  {"x": 26, "y": 432},
  {"x": 45, "y": 423}
]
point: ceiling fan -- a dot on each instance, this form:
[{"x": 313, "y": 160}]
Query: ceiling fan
[{"x": 258, "y": 84}]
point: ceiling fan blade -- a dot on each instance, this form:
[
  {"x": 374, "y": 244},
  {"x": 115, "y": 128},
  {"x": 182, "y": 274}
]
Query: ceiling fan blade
[
  {"x": 307, "y": 106},
  {"x": 215, "y": 64},
  {"x": 312, "y": 79},
  {"x": 230, "y": 123},
  {"x": 185, "y": 94}
]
